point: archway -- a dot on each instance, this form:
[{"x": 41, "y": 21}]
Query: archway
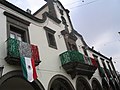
[
  {"x": 82, "y": 84},
  {"x": 96, "y": 85},
  {"x": 59, "y": 82},
  {"x": 14, "y": 80}
]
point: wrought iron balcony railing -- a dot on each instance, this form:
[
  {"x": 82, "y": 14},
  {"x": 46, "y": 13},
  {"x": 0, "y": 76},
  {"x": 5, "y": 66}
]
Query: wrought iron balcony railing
[
  {"x": 13, "y": 52},
  {"x": 76, "y": 63},
  {"x": 71, "y": 56}
]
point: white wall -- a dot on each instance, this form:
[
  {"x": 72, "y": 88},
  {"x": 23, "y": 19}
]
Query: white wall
[{"x": 50, "y": 62}]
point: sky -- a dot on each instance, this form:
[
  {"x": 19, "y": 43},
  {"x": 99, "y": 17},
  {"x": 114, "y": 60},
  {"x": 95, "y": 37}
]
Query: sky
[{"x": 98, "y": 21}]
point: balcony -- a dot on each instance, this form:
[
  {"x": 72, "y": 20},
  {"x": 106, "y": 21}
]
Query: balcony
[
  {"x": 76, "y": 63},
  {"x": 13, "y": 52}
]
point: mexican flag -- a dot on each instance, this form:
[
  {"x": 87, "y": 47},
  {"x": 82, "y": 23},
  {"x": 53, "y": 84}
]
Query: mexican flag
[{"x": 28, "y": 68}]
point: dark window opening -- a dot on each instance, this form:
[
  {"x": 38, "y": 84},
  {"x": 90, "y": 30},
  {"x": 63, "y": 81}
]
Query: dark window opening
[
  {"x": 72, "y": 46},
  {"x": 15, "y": 34},
  {"x": 18, "y": 33},
  {"x": 82, "y": 84},
  {"x": 96, "y": 85},
  {"x": 60, "y": 84},
  {"x": 50, "y": 37}
]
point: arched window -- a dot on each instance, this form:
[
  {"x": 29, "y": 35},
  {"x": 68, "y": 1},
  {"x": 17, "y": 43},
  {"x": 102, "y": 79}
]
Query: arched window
[
  {"x": 60, "y": 82},
  {"x": 96, "y": 85},
  {"x": 82, "y": 84}
]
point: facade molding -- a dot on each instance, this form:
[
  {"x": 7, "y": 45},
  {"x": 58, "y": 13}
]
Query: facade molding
[
  {"x": 44, "y": 15},
  {"x": 16, "y": 18}
]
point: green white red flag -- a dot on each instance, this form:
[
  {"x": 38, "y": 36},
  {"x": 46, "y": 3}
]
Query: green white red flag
[
  {"x": 27, "y": 61},
  {"x": 28, "y": 68}
]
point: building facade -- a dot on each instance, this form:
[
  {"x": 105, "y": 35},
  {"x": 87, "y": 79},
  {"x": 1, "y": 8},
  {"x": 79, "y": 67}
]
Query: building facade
[{"x": 62, "y": 58}]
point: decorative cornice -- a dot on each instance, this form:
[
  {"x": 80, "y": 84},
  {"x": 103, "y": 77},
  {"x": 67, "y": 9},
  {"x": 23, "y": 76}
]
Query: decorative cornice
[
  {"x": 49, "y": 30},
  {"x": 44, "y": 15},
  {"x": 16, "y": 18}
]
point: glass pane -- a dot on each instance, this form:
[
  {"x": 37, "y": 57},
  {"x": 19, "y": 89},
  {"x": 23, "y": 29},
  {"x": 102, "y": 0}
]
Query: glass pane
[
  {"x": 12, "y": 35},
  {"x": 51, "y": 39},
  {"x": 19, "y": 38}
]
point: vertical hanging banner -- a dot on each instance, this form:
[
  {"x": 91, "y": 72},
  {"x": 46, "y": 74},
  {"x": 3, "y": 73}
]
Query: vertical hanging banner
[
  {"x": 35, "y": 53},
  {"x": 28, "y": 68},
  {"x": 27, "y": 62}
]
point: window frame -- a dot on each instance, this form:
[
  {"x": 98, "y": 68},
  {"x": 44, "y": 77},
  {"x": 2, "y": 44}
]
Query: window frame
[
  {"x": 16, "y": 35},
  {"x": 21, "y": 29},
  {"x": 70, "y": 39},
  {"x": 51, "y": 32}
]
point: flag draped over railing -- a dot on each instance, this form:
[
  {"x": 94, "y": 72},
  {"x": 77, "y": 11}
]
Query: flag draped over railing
[
  {"x": 27, "y": 54},
  {"x": 35, "y": 53},
  {"x": 27, "y": 61},
  {"x": 13, "y": 48},
  {"x": 75, "y": 56}
]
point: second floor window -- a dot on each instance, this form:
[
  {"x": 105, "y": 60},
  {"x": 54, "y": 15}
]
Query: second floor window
[
  {"x": 17, "y": 28},
  {"x": 16, "y": 35},
  {"x": 16, "y": 32},
  {"x": 72, "y": 46},
  {"x": 70, "y": 40},
  {"x": 50, "y": 37}
]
